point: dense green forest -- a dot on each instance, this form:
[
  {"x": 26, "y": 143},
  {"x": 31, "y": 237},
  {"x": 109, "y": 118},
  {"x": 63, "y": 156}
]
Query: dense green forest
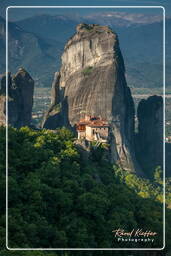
[{"x": 57, "y": 199}]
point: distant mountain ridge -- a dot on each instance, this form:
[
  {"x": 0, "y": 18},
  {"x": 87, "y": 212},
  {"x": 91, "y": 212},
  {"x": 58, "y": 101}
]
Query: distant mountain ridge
[
  {"x": 30, "y": 51},
  {"x": 140, "y": 41},
  {"x": 125, "y": 18}
]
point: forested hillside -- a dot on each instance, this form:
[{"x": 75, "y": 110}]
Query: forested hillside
[{"x": 57, "y": 199}]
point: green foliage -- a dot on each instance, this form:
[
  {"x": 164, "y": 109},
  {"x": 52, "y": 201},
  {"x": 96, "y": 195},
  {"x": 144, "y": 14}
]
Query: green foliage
[
  {"x": 157, "y": 175},
  {"x": 144, "y": 187},
  {"x": 58, "y": 200},
  {"x": 97, "y": 153},
  {"x": 57, "y": 107},
  {"x": 87, "y": 70},
  {"x": 87, "y": 27}
]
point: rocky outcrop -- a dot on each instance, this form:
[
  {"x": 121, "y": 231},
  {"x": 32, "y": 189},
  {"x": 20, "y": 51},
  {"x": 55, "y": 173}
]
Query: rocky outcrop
[
  {"x": 20, "y": 99},
  {"x": 150, "y": 133},
  {"x": 92, "y": 81}
]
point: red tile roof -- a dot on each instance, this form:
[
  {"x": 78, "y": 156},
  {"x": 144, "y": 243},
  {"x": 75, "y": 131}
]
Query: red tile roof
[{"x": 92, "y": 122}]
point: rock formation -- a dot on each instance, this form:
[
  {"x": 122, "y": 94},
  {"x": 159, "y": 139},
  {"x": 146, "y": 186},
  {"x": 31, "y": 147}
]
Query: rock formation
[
  {"x": 150, "y": 133},
  {"x": 92, "y": 81},
  {"x": 20, "y": 99}
]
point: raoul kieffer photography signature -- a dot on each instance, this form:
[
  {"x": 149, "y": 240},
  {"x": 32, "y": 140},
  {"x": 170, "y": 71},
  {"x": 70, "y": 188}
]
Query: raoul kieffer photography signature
[{"x": 135, "y": 235}]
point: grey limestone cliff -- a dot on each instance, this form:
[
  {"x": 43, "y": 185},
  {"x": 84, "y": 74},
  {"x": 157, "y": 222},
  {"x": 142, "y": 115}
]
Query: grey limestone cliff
[
  {"x": 20, "y": 99},
  {"x": 150, "y": 133},
  {"x": 92, "y": 81}
]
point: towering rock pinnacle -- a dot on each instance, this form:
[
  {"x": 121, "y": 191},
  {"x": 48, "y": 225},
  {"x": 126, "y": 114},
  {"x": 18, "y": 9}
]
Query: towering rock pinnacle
[
  {"x": 92, "y": 81},
  {"x": 150, "y": 133},
  {"x": 20, "y": 99}
]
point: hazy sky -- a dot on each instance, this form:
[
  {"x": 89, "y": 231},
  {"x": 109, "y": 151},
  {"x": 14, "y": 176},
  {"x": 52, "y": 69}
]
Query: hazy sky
[{"x": 17, "y": 14}]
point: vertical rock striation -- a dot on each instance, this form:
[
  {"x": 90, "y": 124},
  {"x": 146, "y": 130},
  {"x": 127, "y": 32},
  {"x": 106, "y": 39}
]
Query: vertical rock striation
[
  {"x": 150, "y": 133},
  {"x": 20, "y": 99},
  {"x": 92, "y": 81}
]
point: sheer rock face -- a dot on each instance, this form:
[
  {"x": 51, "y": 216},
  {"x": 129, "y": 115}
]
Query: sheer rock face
[
  {"x": 150, "y": 133},
  {"x": 92, "y": 81},
  {"x": 20, "y": 99}
]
